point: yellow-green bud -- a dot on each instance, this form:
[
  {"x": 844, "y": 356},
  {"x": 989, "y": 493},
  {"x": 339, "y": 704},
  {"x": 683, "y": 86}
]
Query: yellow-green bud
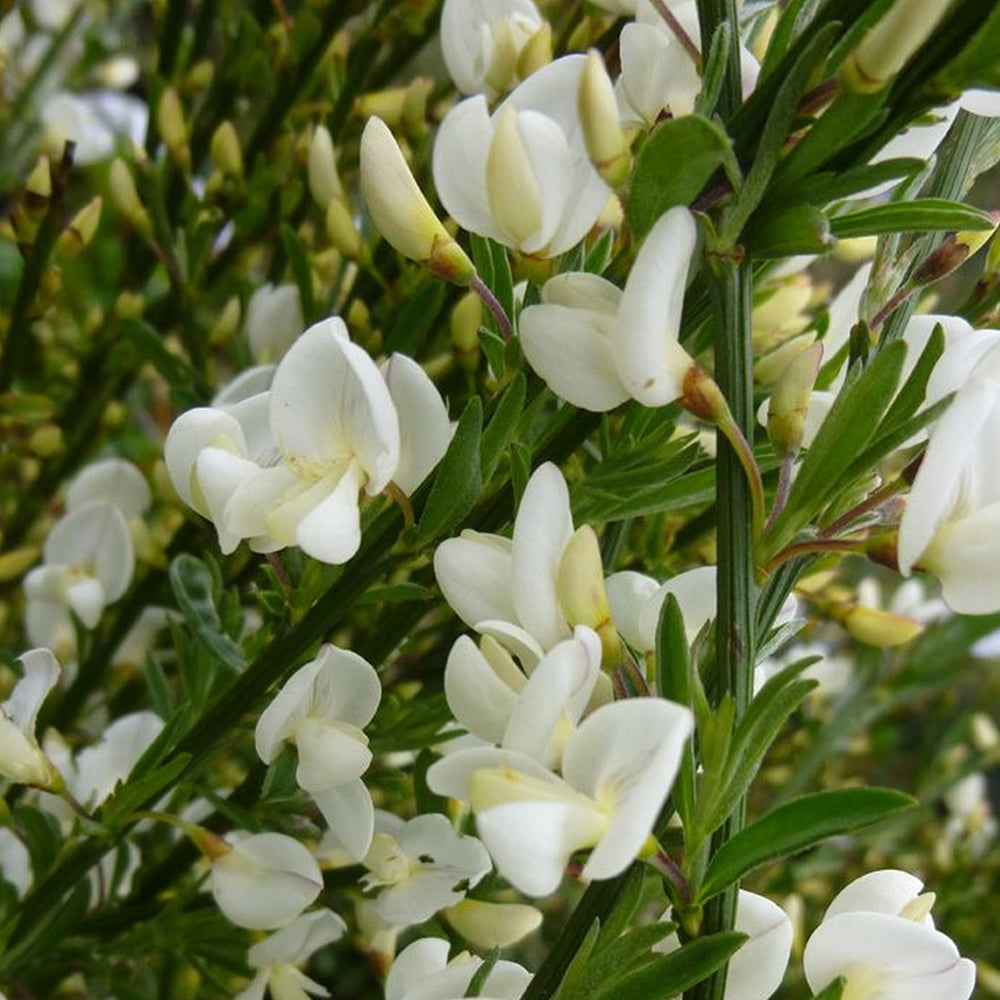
[
  {"x": 173, "y": 128},
  {"x": 324, "y": 182},
  {"x": 466, "y": 319},
  {"x": 768, "y": 369},
  {"x": 786, "y": 418},
  {"x": 511, "y": 186},
  {"x": 126, "y": 197},
  {"x": 602, "y": 130},
  {"x": 80, "y": 231},
  {"x": 488, "y": 925},
  {"x": 228, "y": 322},
  {"x": 415, "y": 104},
  {"x": 46, "y": 441},
  {"x": 384, "y": 104},
  {"x": 874, "y": 627},
  {"x": 340, "y": 228},
  {"x": 15, "y": 563},
  {"x": 886, "y": 47},
  {"x": 226, "y": 152},
  {"x": 401, "y": 212}
]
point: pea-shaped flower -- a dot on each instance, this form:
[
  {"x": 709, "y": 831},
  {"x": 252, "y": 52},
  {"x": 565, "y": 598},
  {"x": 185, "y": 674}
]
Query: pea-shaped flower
[
  {"x": 322, "y": 709},
  {"x": 878, "y": 934},
  {"x": 422, "y": 972},
  {"x": 522, "y": 176},
  {"x": 21, "y": 759}
]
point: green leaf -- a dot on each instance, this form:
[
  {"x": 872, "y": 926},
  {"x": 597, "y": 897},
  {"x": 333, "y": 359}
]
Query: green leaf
[
  {"x": 192, "y": 585},
  {"x": 914, "y": 390},
  {"x": 394, "y": 593},
  {"x": 575, "y": 977},
  {"x": 776, "y": 131},
  {"x": 599, "y": 255},
  {"x": 135, "y": 793},
  {"x": 186, "y": 385},
  {"x": 847, "y": 429},
  {"x": 503, "y": 280},
  {"x": 673, "y": 678},
  {"x": 714, "y": 72},
  {"x": 301, "y": 270},
  {"x": 784, "y": 32},
  {"x": 494, "y": 347},
  {"x": 157, "y": 685},
  {"x": 674, "y": 973},
  {"x": 620, "y": 917},
  {"x": 620, "y": 954},
  {"x": 481, "y": 974},
  {"x": 679, "y": 157},
  {"x": 797, "y": 229},
  {"x": 923, "y": 215},
  {"x": 776, "y": 638},
  {"x": 458, "y": 480},
  {"x": 796, "y": 825},
  {"x": 820, "y": 189},
  {"x": 978, "y": 64},
  {"x": 502, "y": 427},
  {"x": 520, "y": 469}
]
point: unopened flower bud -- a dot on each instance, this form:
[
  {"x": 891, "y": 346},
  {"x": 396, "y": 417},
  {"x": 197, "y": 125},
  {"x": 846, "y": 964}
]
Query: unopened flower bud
[
  {"x": 226, "y": 152},
  {"x": 118, "y": 72},
  {"x": 537, "y": 52},
  {"x": 492, "y": 925},
  {"x": 80, "y": 231},
  {"x": 786, "y": 418},
  {"x": 886, "y": 47},
  {"x": 581, "y": 593},
  {"x": 400, "y": 210},
  {"x": 341, "y": 230},
  {"x": 602, "y": 130},
  {"x": 415, "y": 104},
  {"x": 466, "y": 319},
  {"x": 228, "y": 322},
  {"x": 32, "y": 204},
  {"x": 359, "y": 318},
  {"x": 511, "y": 186},
  {"x": 952, "y": 254},
  {"x": 46, "y": 441},
  {"x": 173, "y": 128},
  {"x": 324, "y": 182},
  {"x": 875, "y": 627},
  {"x": 384, "y": 104},
  {"x": 985, "y": 735},
  {"x": 17, "y": 562},
  {"x": 126, "y": 198}
]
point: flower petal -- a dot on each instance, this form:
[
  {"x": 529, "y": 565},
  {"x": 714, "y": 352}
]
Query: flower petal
[
  {"x": 95, "y": 536},
  {"x": 350, "y": 814},
  {"x": 474, "y": 574},
  {"x": 477, "y": 697},
  {"x": 112, "y": 481}
]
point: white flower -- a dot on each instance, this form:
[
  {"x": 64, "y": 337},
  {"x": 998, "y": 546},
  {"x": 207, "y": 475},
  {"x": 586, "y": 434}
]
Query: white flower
[
  {"x": 264, "y": 880},
  {"x": 99, "y": 768},
  {"x": 422, "y": 972},
  {"x": 337, "y": 433},
  {"x": 658, "y": 72},
  {"x": 322, "y": 709},
  {"x": 878, "y": 934},
  {"x": 522, "y": 176},
  {"x": 15, "y": 862},
  {"x": 490, "y": 696},
  {"x": 509, "y": 588},
  {"x": 88, "y": 562},
  {"x": 278, "y": 957},
  {"x": 951, "y": 525},
  {"x": 111, "y": 480},
  {"x": 94, "y": 121},
  {"x": 596, "y": 346},
  {"x": 21, "y": 759},
  {"x": 421, "y": 866},
  {"x": 758, "y": 967},
  {"x": 273, "y": 321},
  {"x": 617, "y": 769},
  {"x": 482, "y": 39}
]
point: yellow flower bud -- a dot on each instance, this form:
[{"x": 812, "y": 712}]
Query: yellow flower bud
[
  {"x": 228, "y": 322},
  {"x": 384, "y": 104},
  {"x": 15, "y": 563},
  {"x": 170, "y": 121},
  {"x": 886, "y": 47},
  {"x": 511, "y": 186},
  {"x": 415, "y": 104},
  {"x": 602, "y": 130},
  {"x": 466, "y": 319},
  {"x": 985, "y": 736},
  {"x": 324, "y": 182},
  {"x": 126, "y": 198},
  {"x": 786, "y": 418},
  {"x": 769, "y": 369},
  {"x": 340, "y": 228},
  {"x": 80, "y": 231},
  {"x": 46, "y": 441},
  {"x": 874, "y": 627},
  {"x": 401, "y": 212},
  {"x": 492, "y": 925},
  {"x": 226, "y": 152}
]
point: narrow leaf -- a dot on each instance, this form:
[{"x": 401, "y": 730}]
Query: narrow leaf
[
  {"x": 458, "y": 480},
  {"x": 797, "y": 229},
  {"x": 796, "y": 825},
  {"x": 674, "y": 973},
  {"x": 500, "y": 430},
  {"x": 920, "y": 215},
  {"x": 301, "y": 270},
  {"x": 673, "y": 678}
]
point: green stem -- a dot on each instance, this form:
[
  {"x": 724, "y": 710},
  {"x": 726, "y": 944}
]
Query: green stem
[
  {"x": 732, "y": 288},
  {"x": 15, "y": 345}
]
